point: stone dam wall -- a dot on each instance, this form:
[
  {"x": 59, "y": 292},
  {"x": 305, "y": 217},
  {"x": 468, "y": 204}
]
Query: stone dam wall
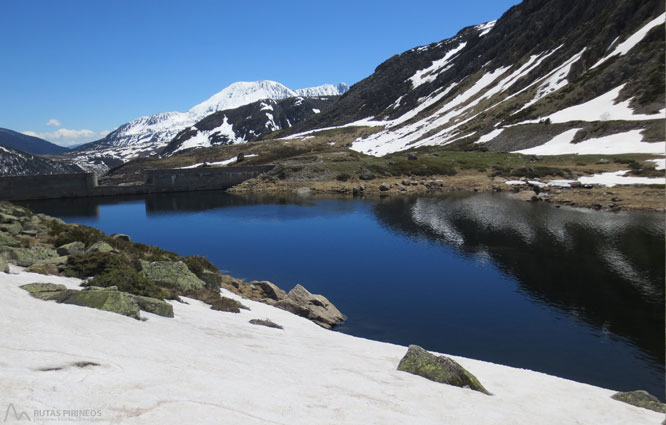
[{"x": 14, "y": 188}]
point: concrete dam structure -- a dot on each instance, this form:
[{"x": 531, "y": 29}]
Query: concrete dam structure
[{"x": 14, "y": 188}]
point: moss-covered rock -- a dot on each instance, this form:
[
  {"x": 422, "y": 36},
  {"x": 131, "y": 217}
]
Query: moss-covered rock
[
  {"x": 641, "y": 399},
  {"x": 171, "y": 273},
  {"x": 107, "y": 299},
  {"x": 76, "y": 247},
  {"x": 155, "y": 306},
  {"x": 439, "y": 369},
  {"x": 44, "y": 291}
]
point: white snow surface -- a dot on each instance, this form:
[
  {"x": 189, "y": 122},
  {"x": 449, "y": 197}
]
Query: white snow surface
[
  {"x": 617, "y": 178},
  {"x": 624, "y": 47},
  {"x": 217, "y": 163},
  {"x": 555, "y": 80},
  {"x": 627, "y": 142},
  {"x": 208, "y": 367},
  {"x": 490, "y": 136},
  {"x": 485, "y": 28},
  {"x": 429, "y": 74}
]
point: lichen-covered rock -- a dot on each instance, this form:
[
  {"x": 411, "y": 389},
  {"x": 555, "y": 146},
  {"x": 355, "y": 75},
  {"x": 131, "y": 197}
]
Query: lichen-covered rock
[
  {"x": 8, "y": 240},
  {"x": 45, "y": 269},
  {"x": 12, "y": 228},
  {"x": 107, "y": 299},
  {"x": 439, "y": 369},
  {"x": 26, "y": 257},
  {"x": 4, "y": 265},
  {"x": 44, "y": 291},
  {"x": 121, "y": 237},
  {"x": 311, "y": 306},
  {"x": 71, "y": 248},
  {"x": 641, "y": 399},
  {"x": 100, "y": 246},
  {"x": 155, "y": 306},
  {"x": 7, "y": 218},
  {"x": 172, "y": 273},
  {"x": 211, "y": 279}
]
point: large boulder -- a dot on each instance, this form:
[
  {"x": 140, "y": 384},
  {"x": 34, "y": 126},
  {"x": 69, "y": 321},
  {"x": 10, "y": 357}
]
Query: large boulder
[
  {"x": 155, "y": 306},
  {"x": 439, "y": 369},
  {"x": 172, "y": 273},
  {"x": 26, "y": 257},
  {"x": 311, "y": 306},
  {"x": 269, "y": 290},
  {"x": 641, "y": 399},
  {"x": 71, "y": 248},
  {"x": 107, "y": 299},
  {"x": 212, "y": 280}
]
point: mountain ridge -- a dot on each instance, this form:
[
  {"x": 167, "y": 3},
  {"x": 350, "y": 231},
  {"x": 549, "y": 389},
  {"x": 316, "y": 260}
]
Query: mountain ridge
[
  {"x": 536, "y": 60},
  {"x": 28, "y": 144}
]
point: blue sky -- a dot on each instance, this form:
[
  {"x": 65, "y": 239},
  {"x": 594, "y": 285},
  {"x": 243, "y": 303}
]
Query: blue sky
[{"x": 86, "y": 67}]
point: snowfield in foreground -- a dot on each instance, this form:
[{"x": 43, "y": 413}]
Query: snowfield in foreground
[{"x": 209, "y": 367}]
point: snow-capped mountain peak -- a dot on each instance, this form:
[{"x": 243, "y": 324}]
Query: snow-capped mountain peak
[
  {"x": 242, "y": 93},
  {"x": 148, "y": 134}
]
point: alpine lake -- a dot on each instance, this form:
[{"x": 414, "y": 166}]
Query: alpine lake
[{"x": 573, "y": 293}]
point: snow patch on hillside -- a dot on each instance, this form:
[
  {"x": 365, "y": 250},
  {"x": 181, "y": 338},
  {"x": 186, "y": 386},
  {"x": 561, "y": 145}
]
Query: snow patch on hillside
[
  {"x": 631, "y": 42},
  {"x": 429, "y": 74},
  {"x": 627, "y": 142},
  {"x": 602, "y": 108}
]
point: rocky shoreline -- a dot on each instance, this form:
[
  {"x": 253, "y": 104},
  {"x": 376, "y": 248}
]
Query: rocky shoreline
[
  {"x": 617, "y": 198},
  {"x": 126, "y": 277}
]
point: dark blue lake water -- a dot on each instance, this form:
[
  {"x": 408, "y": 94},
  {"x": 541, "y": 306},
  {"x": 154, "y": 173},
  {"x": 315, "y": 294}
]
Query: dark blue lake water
[{"x": 573, "y": 293}]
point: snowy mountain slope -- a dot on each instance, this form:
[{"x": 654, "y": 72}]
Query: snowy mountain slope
[
  {"x": 147, "y": 135},
  {"x": 247, "y": 122},
  {"x": 597, "y": 66},
  {"x": 17, "y": 163},
  {"x": 29, "y": 144}
]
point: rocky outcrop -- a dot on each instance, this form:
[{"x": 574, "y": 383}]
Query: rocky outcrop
[
  {"x": 107, "y": 299},
  {"x": 175, "y": 274},
  {"x": 311, "y": 306},
  {"x": 155, "y": 306},
  {"x": 25, "y": 257},
  {"x": 441, "y": 369},
  {"x": 44, "y": 291},
  {"x": 641, "y": 399}
]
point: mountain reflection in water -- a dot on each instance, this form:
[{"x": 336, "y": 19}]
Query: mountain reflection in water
[{"x": 596, "y": 266}]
